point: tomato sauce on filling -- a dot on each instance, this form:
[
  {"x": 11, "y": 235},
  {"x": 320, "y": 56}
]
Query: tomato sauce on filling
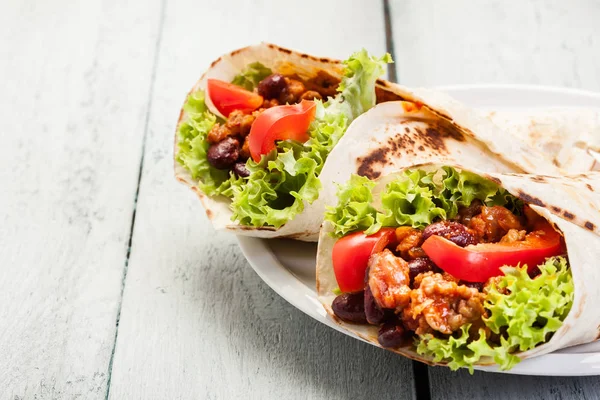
[
  {"x": 228, "y": 141},
  {"x": 418, "y": 297}
]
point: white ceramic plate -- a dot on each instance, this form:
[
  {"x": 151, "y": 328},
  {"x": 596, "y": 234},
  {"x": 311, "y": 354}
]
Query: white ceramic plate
[{"x": 288, "y": 267}]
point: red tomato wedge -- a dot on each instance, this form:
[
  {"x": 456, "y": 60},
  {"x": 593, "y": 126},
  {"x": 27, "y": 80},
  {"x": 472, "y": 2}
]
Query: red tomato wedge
[
  {"x": 478, "y": 263},
  {"x": 351, "y": 255},
  {"x": 280, "y": 123},
  {"x": 228, "y": 97}
]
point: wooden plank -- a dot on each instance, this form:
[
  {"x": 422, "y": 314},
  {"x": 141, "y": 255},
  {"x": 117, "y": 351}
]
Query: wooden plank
[
  {"x": 535, "y": 42},
  {"x": 196, "y": 321},
  {"x": 531, "y": 42},
  {"x": 75, "y": 81},
  {"x": 448, "y": 385}
]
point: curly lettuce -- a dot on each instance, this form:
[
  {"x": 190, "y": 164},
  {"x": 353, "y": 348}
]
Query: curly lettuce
[
  {"x": 193, "y": 147},
  {"x": 251, "y": 76},
  {"x": 354, "y": 211},
  {"x": 417, "y": 198},
  {"x": 534, "y": 307},
  {"x": 193, "y": 131},
  {"x": 522, "y": 311},
  {"x": 460, "y": 350},
  {"x": 282, "y": 182}
]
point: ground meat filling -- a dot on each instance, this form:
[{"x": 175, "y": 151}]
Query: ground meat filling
[
  {"x": 493, "y": 223},
  {"x": 228, "y": 143},
  {"x": 406, "y": 294},
  {"x": 409, "y": 242},
  {"x": 439, "y": 303},
  {"x": 389, "y": 280}
]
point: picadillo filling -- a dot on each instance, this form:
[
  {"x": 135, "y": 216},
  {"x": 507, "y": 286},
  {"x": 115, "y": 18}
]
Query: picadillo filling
[{"x": 457, "y": 267}]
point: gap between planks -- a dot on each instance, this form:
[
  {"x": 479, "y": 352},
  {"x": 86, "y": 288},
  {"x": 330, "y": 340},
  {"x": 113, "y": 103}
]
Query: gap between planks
[
  {"x": 420, "y": 370},
  {"x": 161, "y": 24},
  {"x": 389, "y": 40}
]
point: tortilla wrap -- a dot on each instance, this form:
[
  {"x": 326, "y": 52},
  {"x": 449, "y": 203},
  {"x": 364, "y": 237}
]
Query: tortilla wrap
[
  {"x": 571, "y": 204},
  {"x": 426, "y": 126},
  {"x": 566, "y": 135}
]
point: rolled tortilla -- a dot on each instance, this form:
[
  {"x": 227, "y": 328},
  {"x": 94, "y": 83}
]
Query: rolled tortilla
[
  {"x": 568, "y": 136},
  {"x": 571, "y": 204},
  {"x": 425, "y": 126}
]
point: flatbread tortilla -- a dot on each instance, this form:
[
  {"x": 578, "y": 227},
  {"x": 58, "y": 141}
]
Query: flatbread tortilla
[
  {"x": 441, "y": 128},
  {"x": 569, "y": 136},
  {"x": 571, "y": 204}
]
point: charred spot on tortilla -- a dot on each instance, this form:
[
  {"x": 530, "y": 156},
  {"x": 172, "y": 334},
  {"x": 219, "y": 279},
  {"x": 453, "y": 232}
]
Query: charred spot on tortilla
[
  {"x": 589, "y": 187},
  {"x": 383, "y": 95},
  {"x": 209, "y": 214},
  {"x": 568, "y": 215},
  {"x": 530, "y": 199},
  {"x": 497, "y": 181},
  {"x": 251, "y": 228},
  {"x": 393, "y": 145},
  {"x": 365, "y": 167},
  {"x": 537, "y": 178},
  {"x": 298, "y": 235},
  {"x": 556, "y": 209},
  {"x": 435, "y": 136},
  {"x": 215, "y": 62},
  {"x": 589, "y": 225}
]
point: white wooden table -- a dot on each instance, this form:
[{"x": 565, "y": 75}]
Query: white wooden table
[{"x": 113, "y": 285}]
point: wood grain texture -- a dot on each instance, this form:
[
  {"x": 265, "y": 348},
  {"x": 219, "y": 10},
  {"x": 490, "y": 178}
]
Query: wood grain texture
[
  {"x": 196, "y": 321},
  {"x": 543, "y": 42},
  {"x": 493, "y": 386},
  {"x": 73, "y": 104},
  {"x": 530, "y": 42}
]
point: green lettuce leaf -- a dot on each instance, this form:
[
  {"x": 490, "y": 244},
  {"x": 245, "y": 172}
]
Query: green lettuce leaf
[
  {"x": 533, "y": 308},
  {"x": 420, "y": 198},
  {"x": 251, "y": 76},
  {"x": 524, "y": 311},
  {"x": 193, "y": 147},
  {"x": 417, "y": 198},
  {"x": 281, "y": 183},
  {"x": 354, "y": 211}
]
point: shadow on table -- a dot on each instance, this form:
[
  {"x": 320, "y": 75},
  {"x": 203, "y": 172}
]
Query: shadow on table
[
  {"x": 295, "y": 355},
  {"x": 283, "y": 353},
  {"x": 446, "y": 384}
]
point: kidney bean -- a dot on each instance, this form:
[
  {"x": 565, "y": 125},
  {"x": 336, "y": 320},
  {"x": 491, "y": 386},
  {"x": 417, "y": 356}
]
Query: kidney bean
[
  {"x": 224, "y": 154},
  {"x": 391, "y": 335},
  {"x": 375, "y": 314},
  {"x": 350, "y": 307},
  {"x": 239, "y": 168},
  {"x": 466, "y": 213},
  {"x": 453, "y": 231},
  {"x": 419, "y": 266},
  {"x": 272, "y": 86}
]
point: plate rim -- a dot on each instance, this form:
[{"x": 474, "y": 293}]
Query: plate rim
[{"x": 519, "y": 86}]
